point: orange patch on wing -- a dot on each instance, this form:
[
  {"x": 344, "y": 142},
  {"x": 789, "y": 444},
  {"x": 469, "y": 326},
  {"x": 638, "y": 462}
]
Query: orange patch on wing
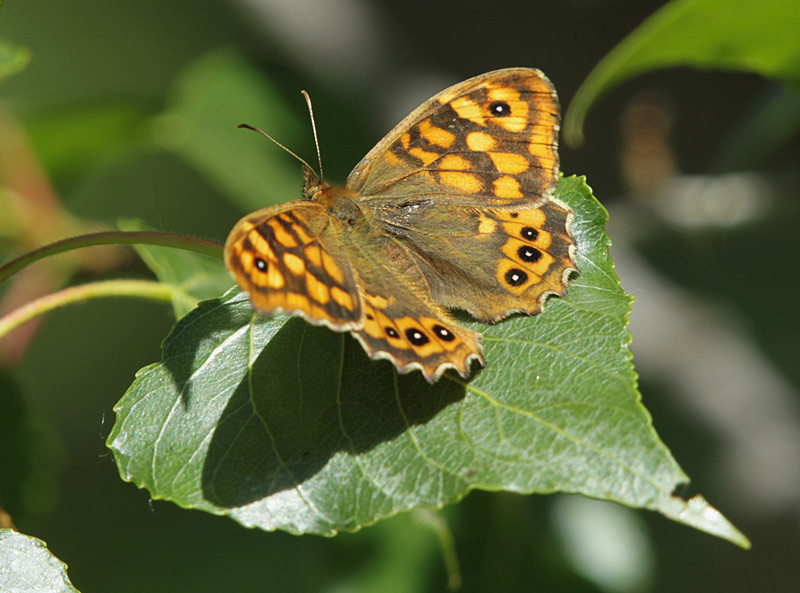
[
  {"x": 542, "y": 150},
  {"x": 283, "y": 237},
  {"x": 509, "y": 163},
  {"x": 377, "y": 301},
  {"x": 313, "y": 254},
  {"x": 512, "y": 123},
  {"x": 426, "y": 157},
  {"x": 259, "y": 243},
  {"x": 468, "y": 109},
  {"x": 466, "y": 182},
  {"x": 295, "y": 264},
  {"x": 301, "y": 233},
  {"x": 453, "y": 161},
  {"x": 371, "y": 326},
  {"x": 296, "y": 301},
  {"x": 534, "y": 217},
  {"x": 434, "y": 135},
  {"x": 507, "y": 187},
  {"x": 344, "y": 299},
  {"x": 392, "y": 158},
  {"x": 331, "y": 268},
  {"x": 480, "y": 141},
  {"x": 274, "y": 279},
  {"x": 503, "y": 93},
  {"x": 486, "y": 225},
  {"x": 317, "y": 290}
]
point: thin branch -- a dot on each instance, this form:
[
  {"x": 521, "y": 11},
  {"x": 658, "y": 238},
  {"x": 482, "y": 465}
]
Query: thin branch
[
  {"x": 141, "y": 289},
  {"x": 204, "y": 246}
]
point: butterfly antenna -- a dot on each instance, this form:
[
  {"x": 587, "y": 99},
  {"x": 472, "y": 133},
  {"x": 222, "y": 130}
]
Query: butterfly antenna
[
  {"x": 263, "y": 133},
  {"x": 314, "y": 129}
]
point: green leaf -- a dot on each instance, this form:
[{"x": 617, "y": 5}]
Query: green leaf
[
  {"x": 196, "y": 277},
  {"x": 210, "y": 99},
  {"x": 283, "y": 425},
  {"x": 26, "y": 565},
  {"x": 73, "y": 140},
  {"x": 12, "y": 59},
  {"x": 759, "y": 37}
]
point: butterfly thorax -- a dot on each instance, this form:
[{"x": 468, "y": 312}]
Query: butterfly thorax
[{"x": 340, "y": 202}]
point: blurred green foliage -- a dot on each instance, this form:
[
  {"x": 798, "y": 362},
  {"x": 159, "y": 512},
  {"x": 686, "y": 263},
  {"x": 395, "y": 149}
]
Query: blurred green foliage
[{"x": 106, "y": 103}]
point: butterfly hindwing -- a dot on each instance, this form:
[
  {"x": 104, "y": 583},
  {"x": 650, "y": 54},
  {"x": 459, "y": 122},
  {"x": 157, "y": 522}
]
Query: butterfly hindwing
[
  {"x": 506, "y": 260},
  {"x": 401, "y": 322}
]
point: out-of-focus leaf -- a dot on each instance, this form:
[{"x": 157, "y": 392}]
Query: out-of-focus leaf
[
  {"x": 759, "y": 37},
  {"x": 283, "y": 425},
  {"x": 29, "y": 484},
  {"x": 766, "y": 132},
  {"x": 13, "y": 59},
  {"x": 197, "y": 277},
  {"x": 70, "y": 141},
  {"x": 210, "y": 99},
  {"x": 27, "y": 566}
]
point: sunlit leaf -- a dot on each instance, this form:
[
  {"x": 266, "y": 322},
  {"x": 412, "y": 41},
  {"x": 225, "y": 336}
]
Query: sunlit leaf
[
  {"x": 283, "y": 425},
  {"x": 26, "y": 565}
]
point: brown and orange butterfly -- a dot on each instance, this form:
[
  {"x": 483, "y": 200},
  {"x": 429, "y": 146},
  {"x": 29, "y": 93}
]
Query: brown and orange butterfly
[{"x": 453, "y": 209}]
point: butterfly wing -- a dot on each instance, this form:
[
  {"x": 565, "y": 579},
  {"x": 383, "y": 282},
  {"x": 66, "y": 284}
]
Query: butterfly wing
[
  {"x": 465, "y": 184},
  {"x": 489, "y": 141},
  {"x": 489, "y": 262},
  {"x": 290, "y": 258},
  {"x": 401, "y": 322}
]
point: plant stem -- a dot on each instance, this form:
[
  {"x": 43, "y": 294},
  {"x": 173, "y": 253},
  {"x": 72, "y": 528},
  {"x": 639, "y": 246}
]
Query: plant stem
[
  {"x": 143, "y": 289},
  {"x": 204, "y": 246}
]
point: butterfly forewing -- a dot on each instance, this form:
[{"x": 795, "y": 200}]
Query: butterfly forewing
[
  {"x": 489, "y": 141},
  {"x": 466, "y": 183},
  {"x": 290, "y": 259}
]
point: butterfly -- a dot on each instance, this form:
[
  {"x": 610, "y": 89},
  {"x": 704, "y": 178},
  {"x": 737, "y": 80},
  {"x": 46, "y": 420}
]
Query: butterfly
[{"x": 453, "y": 209}]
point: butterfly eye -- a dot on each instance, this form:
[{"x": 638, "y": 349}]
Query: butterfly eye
[
  {"x": 499, "y": 109},
  {"x": 529, "y": 233},
  {"x": 416, "y": 337},
  {"x": 516, "y": 277},
  {"x": 261, "y": 264},
  {"x": 529, "y": 254}
]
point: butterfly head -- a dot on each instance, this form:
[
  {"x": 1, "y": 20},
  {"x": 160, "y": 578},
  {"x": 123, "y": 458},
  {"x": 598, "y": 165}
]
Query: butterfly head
[{"x": 312, "y": 183}]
